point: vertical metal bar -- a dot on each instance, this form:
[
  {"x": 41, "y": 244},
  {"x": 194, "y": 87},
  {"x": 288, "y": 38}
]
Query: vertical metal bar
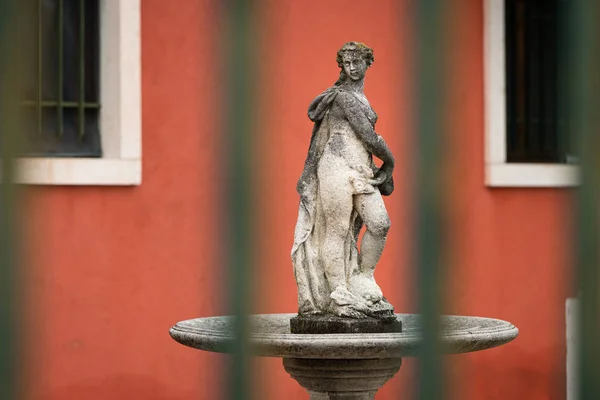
[
  {"x": 562, "y": 100},
  {"x": 59, "y": 106},
  {"x": 8, "y": 270},
  {"x": 81, "y": 104},
  {"x": 532, "y": 77},
  {"x": 40, "y": 66},
  {"x": 428, "y": 227},
  {"x": 239, "y": 123},
  {"x": 18, "y": 18},
  {"x": 585, "y": 79}
]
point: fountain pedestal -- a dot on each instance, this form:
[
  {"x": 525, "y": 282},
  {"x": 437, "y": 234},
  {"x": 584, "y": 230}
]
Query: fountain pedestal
[
  {"x": 347, "y": 365},
  {"x": 342, "y": 379}
]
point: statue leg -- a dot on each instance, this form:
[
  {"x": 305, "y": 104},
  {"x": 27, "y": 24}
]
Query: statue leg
[
  {"x": 336, "y": 199},
  {"x": 373, "y": 213}
]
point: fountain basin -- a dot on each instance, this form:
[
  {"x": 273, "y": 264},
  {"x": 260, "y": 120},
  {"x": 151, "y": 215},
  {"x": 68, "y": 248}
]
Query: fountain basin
[
  {"x": 350, "y": 366},
  {"x": 270, "y": 337}
]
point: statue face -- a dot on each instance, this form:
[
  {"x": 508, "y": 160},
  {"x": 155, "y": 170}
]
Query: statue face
[{"x": 354, "y": 66}]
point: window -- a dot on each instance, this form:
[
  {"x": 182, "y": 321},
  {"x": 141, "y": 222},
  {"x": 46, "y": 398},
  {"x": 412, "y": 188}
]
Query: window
[
  {"x": 84, "y": 125},
  {"x": 526, "y": 128},
  {"x": 535, "y": 87},
  {"x": 59, "y": 54}
]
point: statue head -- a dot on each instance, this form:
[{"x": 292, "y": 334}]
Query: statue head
[{"x": 354, "y": 58}]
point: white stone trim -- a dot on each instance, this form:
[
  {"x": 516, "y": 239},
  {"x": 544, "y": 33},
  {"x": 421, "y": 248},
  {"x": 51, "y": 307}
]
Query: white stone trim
[
  {"x": 530, "y": 175},
  {"x": 572, "y": 319},
  {"x": 497, "y": 171},
  {"x": 79, "y": 171},
  {"x": 120, "y": 115}
]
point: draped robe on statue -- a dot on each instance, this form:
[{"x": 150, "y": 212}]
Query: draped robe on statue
[{"x": 313, "y": 288}]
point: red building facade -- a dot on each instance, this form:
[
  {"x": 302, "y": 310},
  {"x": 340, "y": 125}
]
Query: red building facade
[{"x": 111, "y": 267}]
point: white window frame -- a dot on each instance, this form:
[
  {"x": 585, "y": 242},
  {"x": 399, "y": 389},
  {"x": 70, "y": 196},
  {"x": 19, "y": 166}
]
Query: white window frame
[
  {"x": 572, "y": 311},
  {"x": 120, "y": 113},
  {"x": 498, "y": 172}
]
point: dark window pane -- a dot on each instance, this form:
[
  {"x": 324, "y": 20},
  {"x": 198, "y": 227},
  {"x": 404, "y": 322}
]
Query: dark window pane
[
  {"x": 59, "y": 50},
  {"x": 534, "y": 85}
]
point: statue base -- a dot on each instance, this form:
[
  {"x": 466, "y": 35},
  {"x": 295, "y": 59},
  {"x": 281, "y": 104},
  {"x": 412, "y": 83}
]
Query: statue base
[{"x": 328, "y": 324}]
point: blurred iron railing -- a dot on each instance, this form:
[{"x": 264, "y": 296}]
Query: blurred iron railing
[
  {"x": 428, "y": 238},
  {"x": 240, "y": 47},
  {"x": 9, "y": 293},
  {"x": 585, "y": 97}
]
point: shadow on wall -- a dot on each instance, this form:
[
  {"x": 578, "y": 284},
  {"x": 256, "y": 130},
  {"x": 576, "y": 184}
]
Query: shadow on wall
[{"x": 120, "y": 387}]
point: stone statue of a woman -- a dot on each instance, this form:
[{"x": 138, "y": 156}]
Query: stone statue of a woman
[{"x": 340, "y": 190}]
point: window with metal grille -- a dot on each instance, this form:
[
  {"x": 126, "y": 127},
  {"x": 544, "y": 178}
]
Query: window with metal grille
[
  {"x": 59, "y": 55},
  {"x": 537, "y": 123}
]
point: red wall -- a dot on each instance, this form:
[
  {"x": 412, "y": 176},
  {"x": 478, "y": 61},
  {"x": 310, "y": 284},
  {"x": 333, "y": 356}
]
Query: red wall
[
  {"x": 113, "y": 268},
  {"x": 510, "y": 253}
]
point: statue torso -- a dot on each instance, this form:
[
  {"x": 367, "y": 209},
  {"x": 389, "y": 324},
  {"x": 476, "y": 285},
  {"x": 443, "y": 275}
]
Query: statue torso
[
  {"x": 345, "y": 157},
  {"x": 343, "y": 141}
]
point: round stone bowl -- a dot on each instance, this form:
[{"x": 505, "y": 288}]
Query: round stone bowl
[{"x": 348, "y": 366}]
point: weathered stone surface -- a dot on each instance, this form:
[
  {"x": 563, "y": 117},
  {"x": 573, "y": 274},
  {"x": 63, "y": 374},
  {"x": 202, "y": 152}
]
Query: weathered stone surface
[
  {"x": 271, "y": 337},
  {"x": 341, "y": 191},
  {"x": 342, "y": 379},
  {"x": 328, "y": 324}
]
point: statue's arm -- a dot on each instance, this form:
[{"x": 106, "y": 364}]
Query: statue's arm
[{"x": 361, "y": 125}]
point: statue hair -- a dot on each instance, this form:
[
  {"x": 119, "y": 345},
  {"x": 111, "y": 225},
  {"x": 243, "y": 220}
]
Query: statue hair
[{"x": 361, "y": 49}]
